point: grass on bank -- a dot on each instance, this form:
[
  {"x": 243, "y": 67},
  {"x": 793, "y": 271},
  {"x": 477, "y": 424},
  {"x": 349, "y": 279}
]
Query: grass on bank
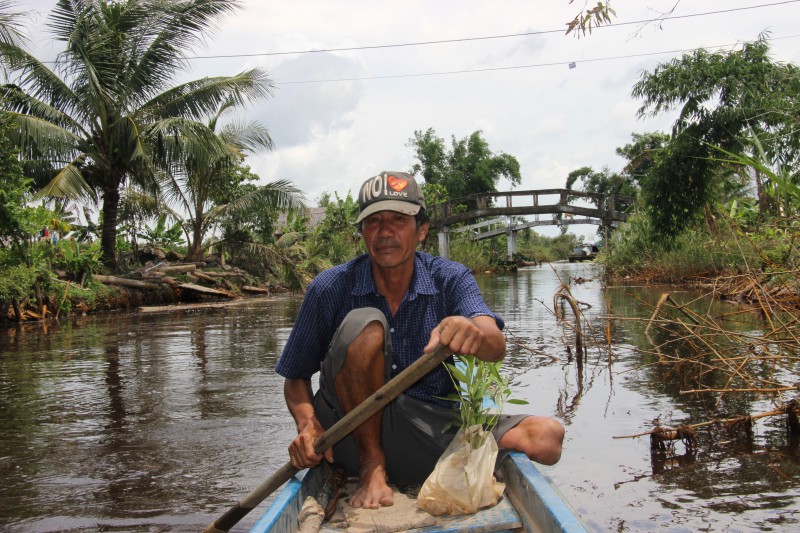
[{"x": 705, "y": 251}]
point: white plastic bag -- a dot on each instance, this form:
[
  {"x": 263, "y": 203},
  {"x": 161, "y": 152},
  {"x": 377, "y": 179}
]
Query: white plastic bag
[{"x": 463, "y": 480}]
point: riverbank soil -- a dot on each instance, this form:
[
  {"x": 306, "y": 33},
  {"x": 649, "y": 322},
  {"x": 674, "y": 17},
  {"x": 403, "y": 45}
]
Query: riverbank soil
[{"x": 158, "y": 282}]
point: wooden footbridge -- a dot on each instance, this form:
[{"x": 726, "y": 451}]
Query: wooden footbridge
[{"x": 499, "y": 213}]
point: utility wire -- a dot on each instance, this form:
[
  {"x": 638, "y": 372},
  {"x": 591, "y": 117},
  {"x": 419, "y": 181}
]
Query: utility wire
[
  {"x": 486, "y": 38},
  {"x": 515, "y": 67}
]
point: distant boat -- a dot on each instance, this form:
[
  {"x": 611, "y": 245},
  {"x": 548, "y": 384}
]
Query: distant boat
[
  {"x": 530, "y": 503},
  {"x": 585, "y": 252}
]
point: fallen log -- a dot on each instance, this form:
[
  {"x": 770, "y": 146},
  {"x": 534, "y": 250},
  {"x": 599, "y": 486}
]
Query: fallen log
[
  {"x": 189, "y": 307},
  {"x": 171, "y": 269},
  {"x": 204, "y": 276},
  {"x": 205, "y": 290},
  {"x": 259, "y": 290},
  {"x": 125, "y": 282},
  {"x": 224, "y": 274}
]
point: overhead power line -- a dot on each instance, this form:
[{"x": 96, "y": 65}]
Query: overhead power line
[
  {"x": 570, "y": 63},
  {"x": 485, "y": 38}
]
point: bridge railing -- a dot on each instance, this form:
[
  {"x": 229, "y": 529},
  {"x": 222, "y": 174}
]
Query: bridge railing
[{"x": 610, "y": 208}]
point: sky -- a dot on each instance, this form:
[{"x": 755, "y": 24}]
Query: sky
[{"x": 339, "y": 116}]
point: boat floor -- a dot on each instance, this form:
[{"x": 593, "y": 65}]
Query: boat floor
[
  {"x": 404, "y": 515},
  {"x": 530, "y": 503}
]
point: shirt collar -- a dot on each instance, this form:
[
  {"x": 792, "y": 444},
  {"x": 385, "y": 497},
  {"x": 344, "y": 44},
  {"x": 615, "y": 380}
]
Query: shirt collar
[{"x": 421, "y": 281}]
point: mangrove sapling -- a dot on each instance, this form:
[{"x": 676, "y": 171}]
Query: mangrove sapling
[
  {"x": 462, "y": 481},
  {"x": 481, "y": 394}
]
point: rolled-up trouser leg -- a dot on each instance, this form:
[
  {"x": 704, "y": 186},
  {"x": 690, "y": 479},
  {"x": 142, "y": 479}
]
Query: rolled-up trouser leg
[{"x": 411, "y": 429}]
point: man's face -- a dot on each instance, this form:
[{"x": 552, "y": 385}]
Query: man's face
[{"x": 391, "y": 238}]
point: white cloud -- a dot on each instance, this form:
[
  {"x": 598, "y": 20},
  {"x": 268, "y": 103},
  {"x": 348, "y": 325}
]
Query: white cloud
[{"x": 331, "y": 136}]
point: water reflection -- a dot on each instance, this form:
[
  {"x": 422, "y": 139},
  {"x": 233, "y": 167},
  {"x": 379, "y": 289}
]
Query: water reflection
[{"x": 160, "y": 422}]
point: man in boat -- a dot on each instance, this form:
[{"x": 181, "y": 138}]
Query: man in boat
[{"x": 364, "y": 321}]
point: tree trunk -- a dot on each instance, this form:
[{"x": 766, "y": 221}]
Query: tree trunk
[
  {"x": 108, "y": 237},
  {"x": 760, "y": 194},
  {"x": 17, "y": 310},
  {"x": 196, "y": 246}
]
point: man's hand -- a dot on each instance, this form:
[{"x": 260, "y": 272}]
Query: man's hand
[
  {"x": 477, "y": 336},
  {"x": 299, "y": 399},
  {"x": 301, "y": 450}
]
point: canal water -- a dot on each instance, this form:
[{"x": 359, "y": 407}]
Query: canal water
[{"x": 161, "y": 421}]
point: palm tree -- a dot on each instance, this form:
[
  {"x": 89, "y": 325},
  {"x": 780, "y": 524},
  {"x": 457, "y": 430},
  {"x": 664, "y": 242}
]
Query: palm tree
[
  {"x": 12, "y": 34},
  {"x": 202, "y": 180},
  {"x": 106, "y": 115}
]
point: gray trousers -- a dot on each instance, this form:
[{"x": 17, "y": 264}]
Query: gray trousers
[{"x": 411, "y": 429}]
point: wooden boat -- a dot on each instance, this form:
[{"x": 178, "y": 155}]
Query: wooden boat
[{"x": 530, "y": 503}]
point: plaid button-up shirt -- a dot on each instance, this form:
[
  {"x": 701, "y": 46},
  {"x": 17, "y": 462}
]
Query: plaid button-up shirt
[{"x": 439, "y": 288}]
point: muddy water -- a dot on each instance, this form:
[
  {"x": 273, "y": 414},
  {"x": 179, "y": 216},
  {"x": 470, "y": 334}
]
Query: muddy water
[{"x": 159, "y": 422}]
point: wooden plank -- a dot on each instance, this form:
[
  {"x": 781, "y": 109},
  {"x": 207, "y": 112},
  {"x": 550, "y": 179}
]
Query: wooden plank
[{"x": 204, "y": 290}]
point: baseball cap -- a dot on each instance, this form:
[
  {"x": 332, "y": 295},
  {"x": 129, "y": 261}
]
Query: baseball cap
[{"x": 390, "y": 191}]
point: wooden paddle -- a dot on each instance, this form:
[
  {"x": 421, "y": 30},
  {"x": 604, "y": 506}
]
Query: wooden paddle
[{"x": 337, "y": 432}]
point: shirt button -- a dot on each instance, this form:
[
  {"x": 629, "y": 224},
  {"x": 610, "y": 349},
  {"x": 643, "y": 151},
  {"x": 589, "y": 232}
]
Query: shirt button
[
  {"x": 391, "y": 330},
  {"x": 394, "y": 367}
]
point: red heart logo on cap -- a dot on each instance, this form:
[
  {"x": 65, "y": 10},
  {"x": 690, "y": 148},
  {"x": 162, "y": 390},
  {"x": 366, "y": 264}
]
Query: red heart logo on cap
[{"x": 396, "y": 183}]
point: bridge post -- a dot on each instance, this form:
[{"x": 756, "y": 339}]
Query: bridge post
[
  {"x": 608, "y": 221},
  {"x": 512, "y": 239},
  {"x": 444, "y": 242}
]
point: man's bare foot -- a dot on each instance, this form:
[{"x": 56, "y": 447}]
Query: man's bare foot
[{"x": 373, "y": 489}]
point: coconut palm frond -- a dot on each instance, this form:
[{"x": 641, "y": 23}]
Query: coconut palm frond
[
  {"x": 186, "y": 142},
  {"x": 48, "y": 140},
  {"x": 70, "y": 184},
  {"x": 277, "y": 195},
  {"x": 37, "y": 81},
  {"x": 12, "y": 25},
  {"x": 251, "y": 136},
  {"x": 139, "y": 204},
  {"x": 200, "y": 98},
  {"x": 182, "y": 26},
  {"x": 16, "y": 101}
]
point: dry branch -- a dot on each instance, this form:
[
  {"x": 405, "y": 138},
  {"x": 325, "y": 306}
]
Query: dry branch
[
  {"x": 791, "y": 409},
  {"x": 563, "y": 293}
]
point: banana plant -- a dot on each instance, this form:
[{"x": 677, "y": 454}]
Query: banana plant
[{"x": 79, "y": 261}]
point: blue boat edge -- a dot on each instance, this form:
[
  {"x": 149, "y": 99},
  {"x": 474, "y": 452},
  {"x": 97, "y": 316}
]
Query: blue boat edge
[
  {"x": 544, "y": 508},
  {"x": 276, "y": 517},
  {"x": 539, "y": 504}
]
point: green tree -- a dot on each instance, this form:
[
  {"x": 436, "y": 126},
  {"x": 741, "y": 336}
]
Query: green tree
[
  {"x": 336, "y": 237},
  {"x": 603, "y": 182},
  {"x": 202, "y": 180},
  {"x": 14, "y": 194},
  {"x": 107, "y": 114},
  {"x": 720, "y": 97},
  {"x": 640, "y": 154},
  {"x": 238, "y": 227},
  {"x": 468, "y": 167}
]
